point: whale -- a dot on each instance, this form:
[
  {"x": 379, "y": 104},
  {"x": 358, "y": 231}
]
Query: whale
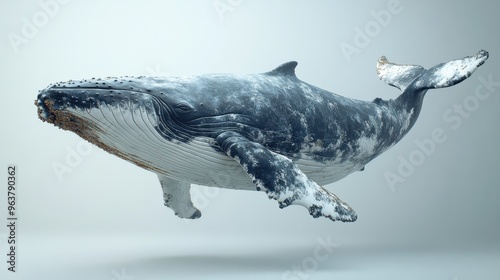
[{"x": 268, "y": 132}]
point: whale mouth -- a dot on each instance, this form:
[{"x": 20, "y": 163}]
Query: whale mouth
[
  {"x": 52, "y": 111},
  {"x": 45, "y": 111}
]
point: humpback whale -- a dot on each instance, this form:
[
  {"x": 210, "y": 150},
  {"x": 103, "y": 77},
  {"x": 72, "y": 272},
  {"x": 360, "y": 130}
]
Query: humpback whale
[{"x": 269, "y": 132}]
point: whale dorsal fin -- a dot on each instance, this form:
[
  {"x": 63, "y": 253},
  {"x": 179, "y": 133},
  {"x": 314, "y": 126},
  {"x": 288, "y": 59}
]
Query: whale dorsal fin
[{"x": 287, "y": 69}]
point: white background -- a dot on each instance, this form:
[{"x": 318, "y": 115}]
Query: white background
[{"x": 106, "y": 220}]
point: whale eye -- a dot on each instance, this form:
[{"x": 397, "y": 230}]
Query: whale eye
[{"x": 183, "y": 108}]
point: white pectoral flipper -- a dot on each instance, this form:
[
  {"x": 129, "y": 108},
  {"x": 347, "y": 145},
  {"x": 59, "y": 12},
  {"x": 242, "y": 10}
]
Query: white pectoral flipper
[
  {"x": 178, "y": 198},
  {"x": 282, "y": 180}
]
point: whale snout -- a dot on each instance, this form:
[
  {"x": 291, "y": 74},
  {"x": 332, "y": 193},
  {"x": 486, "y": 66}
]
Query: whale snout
[
  {"x": 43, "y": 103},
  {"x": 88, "y": 94},
  {"x": 97, "y": 109},
  {"x": 55, "y": 100},
  {"x": 119, "y": 115},
  {"x": 58, "y": 106}
]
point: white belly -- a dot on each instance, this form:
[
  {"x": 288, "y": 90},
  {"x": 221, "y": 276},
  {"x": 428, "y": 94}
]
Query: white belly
[{"x": 132, "y": 136}]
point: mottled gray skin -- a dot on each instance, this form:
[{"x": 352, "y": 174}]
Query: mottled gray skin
[{"x": 287, "y": 136}]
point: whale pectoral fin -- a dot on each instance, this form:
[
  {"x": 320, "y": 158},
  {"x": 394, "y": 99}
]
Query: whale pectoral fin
[
  {"x": 282, "y": 180},
  {"x": 177, "y": 197}
]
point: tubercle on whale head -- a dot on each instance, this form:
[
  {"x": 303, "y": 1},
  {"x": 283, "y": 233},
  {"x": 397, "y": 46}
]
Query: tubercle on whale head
[
  {"x": 175, "y": 92},
  {"x": 90, "y": 93}
]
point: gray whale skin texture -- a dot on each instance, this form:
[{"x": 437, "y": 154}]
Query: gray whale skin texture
[{"x": 269, "y": 132}]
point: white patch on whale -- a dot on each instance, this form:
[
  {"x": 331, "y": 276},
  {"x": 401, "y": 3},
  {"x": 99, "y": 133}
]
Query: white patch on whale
[
  {"x": 456, "y": 68},
  {"x": 366, "y": 146}
]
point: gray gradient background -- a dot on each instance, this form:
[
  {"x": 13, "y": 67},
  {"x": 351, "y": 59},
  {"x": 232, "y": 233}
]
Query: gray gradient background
[{"x": 107, "y": 217}]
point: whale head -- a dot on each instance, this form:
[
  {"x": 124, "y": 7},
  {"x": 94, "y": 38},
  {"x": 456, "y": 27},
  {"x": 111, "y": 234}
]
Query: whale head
[{"x": 121, "y": 114}]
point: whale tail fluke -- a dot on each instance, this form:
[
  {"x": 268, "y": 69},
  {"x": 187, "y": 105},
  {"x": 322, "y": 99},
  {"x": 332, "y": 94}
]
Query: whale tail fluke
[{"x": 440, "y": 76}]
